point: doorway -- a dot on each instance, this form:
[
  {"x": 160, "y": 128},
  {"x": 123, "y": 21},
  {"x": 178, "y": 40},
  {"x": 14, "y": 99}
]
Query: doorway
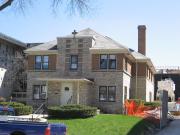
[{"x": 66, "y": 93}]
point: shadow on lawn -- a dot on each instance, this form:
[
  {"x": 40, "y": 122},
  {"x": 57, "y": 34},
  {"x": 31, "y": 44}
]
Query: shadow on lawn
[{"x": 143, "y": 127}]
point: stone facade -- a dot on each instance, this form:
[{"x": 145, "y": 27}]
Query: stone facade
[
  {"x": 12, "y": 60},
  {"x": 82, "y": 86}
]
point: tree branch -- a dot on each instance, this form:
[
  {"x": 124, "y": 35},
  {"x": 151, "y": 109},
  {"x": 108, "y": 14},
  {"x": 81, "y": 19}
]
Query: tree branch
[{"x": 5, "y": 4}]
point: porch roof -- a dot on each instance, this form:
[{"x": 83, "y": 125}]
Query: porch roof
[{"x": 66, "y": 79}]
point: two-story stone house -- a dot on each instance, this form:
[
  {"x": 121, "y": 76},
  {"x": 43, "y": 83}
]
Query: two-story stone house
[{"x": 89, "y": 68}]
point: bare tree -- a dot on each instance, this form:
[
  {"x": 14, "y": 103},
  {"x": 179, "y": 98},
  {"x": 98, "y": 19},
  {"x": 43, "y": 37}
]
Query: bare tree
[
  {"x": 73, "y": 6},
  {"x": 4, "y": 4}
]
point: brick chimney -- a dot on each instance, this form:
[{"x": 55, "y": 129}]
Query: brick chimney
[{"x": 142, "y": 39}]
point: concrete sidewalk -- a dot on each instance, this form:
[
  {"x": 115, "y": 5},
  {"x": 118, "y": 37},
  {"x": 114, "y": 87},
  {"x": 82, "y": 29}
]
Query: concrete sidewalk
[{"x": 172, "y": 129}]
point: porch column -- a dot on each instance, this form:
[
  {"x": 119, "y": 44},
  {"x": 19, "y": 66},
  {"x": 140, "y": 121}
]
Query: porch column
[{"x": 78, "y": 92}]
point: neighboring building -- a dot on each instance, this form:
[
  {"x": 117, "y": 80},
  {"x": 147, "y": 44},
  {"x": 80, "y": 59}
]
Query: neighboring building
[
  {"x": 89, "y": 68},
  {"x": 11, "y": 59},
  {"x": 168, "y": 85},
  {"x": 168, "y": 72},
  {"x": 29, "y": 45}
]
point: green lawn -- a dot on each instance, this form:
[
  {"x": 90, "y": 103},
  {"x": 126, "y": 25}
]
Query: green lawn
[{"x": 104, "y": 124}]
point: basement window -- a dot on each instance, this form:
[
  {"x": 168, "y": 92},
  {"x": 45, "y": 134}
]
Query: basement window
[
  {"x": 40, "y": 92},
  {"x": 107, "y": 93}
]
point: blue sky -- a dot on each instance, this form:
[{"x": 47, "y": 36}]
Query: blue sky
[{"x": 117, "y": 19}]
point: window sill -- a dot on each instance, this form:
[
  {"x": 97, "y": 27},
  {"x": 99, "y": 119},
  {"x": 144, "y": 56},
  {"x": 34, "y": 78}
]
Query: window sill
[
  {"x": 73, "y": 69},
  {"x": 107, "y": 101},
  {"x": 106, "y": 70},
  {"x": 41, "y": 70},
  {"x": 39, "y": 99}
]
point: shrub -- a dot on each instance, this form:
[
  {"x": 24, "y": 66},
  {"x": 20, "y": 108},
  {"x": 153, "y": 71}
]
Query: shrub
[
  {"x": 152, "y": 104},
  {"x": 20, "y": 109},
  {"x": 2, "y": 99},
  {"x": 23, "y": 110},
  {"x": 72, "y": 111},
  {"x": 12, "y": 104},
  {"x": 137, "y": 101}
]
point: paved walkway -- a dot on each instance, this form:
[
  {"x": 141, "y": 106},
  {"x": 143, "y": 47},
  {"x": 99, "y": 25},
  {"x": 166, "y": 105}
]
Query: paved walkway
[{"x": 172, "y": 129}]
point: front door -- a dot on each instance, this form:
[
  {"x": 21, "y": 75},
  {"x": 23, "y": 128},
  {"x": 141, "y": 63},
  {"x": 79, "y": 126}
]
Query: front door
[{"x": 66, "y": 93}]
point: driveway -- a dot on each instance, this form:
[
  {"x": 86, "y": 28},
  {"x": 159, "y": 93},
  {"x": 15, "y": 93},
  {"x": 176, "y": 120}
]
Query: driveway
[{"x": 172, "y": 129}]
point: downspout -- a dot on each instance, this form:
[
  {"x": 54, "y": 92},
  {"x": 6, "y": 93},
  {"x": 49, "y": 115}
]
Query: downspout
[
  {"x": 136, "y": 79},
  {"x": 78, "y": 92}
]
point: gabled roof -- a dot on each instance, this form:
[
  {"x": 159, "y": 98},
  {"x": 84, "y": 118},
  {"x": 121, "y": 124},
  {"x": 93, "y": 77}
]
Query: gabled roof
[
  {"x": 101, "y": 42},
  {"x": 141, "y": 58},
  {"x": 43, "y": 47},
  {"x": 12, "y": 40},
  {"x": 138, "y": 56}
]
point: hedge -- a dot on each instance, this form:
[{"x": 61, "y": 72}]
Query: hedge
[
  {"x": 137, "y": 101},
  {"x": 152, "y": 104},
  {"x": 20, "y": 109},
  {"x": 72, "y": 111}
]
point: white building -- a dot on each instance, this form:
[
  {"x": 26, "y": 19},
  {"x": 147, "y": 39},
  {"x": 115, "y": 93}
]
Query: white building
[{"x": 167, "y": 85}]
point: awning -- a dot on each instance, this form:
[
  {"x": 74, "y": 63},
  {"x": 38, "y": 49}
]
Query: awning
[{"x": 65, "y": 79}]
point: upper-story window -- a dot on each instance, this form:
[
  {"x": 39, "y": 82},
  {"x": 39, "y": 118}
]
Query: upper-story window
[
  {"x": 74, "y": 62},
  {"x": 126, "y": 64},
  {"x": 42, "y": 62},
  {"x": 112, "y": 61},
  {"x": 80, "y": 40},
  {"x": 103, "y": 61},
  {"x": 68, "y": 46},
  {"x": 107, "y": 61},
  {"x": 68, "y": 41}
]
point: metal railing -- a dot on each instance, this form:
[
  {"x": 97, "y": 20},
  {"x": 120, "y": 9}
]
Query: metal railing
[{"x": 70, "y": 100}]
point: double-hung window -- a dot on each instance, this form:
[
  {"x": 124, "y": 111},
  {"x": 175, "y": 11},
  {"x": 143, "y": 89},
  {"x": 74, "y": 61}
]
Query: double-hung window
[
  {"x": 107, "y": 93},
  {"x": 103, "y": 61},
  {"x": 74, "y": 62},
  {"x": 40, "y": 92},
  {"x": 125, "y": 93},
  {"x": 41, "y": 62},
  {"x": 107, "y": 61},
  {"x": 38, "y": 62},
  {"x": 45, "y": 62},
  {"x": 111, "y": 93},
  {"x": 112, "y": 61},
  {"x": 102, "y": 93}
]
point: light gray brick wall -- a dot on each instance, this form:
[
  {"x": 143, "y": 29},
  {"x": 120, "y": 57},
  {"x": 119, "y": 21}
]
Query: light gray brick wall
[
  {"x": 10, "y": 56},
  {"x": 89, "y": 93}
]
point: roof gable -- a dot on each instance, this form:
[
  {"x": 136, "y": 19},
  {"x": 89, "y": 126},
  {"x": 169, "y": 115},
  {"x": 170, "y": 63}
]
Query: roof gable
[
  {"x": 12, "y": 40},
  {"x": 52, "y": 45},
  {"x": 101, "y": 42}
]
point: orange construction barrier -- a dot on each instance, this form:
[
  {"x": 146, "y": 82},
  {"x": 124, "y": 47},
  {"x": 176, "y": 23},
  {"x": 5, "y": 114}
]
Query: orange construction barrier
[{"x": 148, "y": 113}]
